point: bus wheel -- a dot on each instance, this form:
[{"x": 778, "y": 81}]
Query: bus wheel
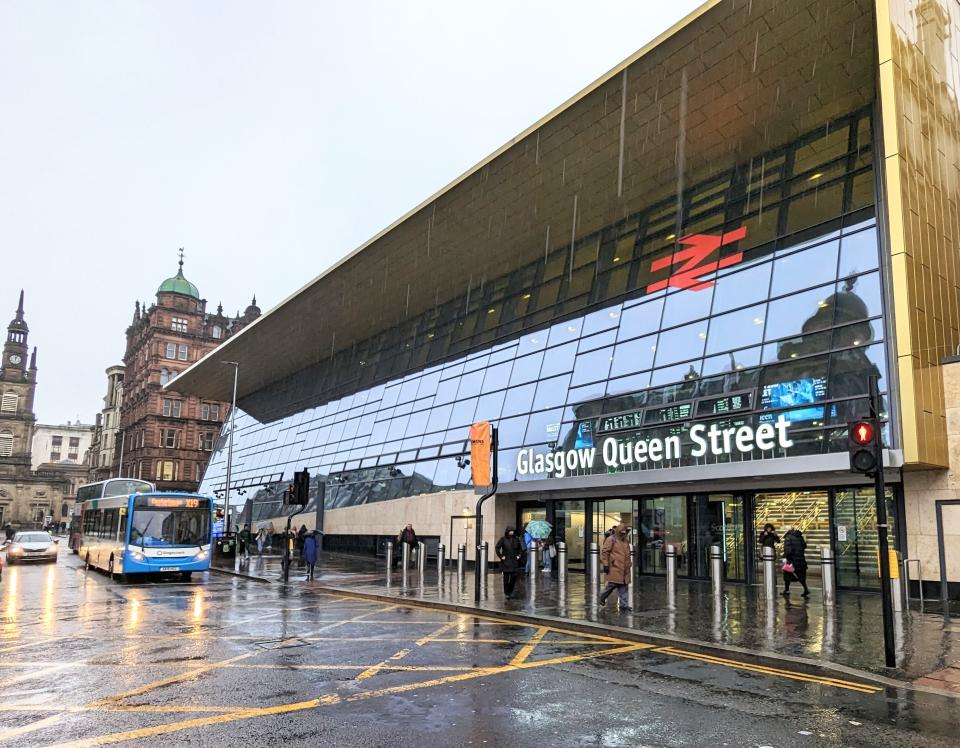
[{"x": 185, "y": 576}]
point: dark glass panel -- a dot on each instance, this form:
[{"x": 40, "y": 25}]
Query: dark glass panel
[
  {"x": 801, "y": 313},
  {"x": 681, "y": 343},
  {"x": 633, "y": 356},
  {"x": 859, "y": 333},
  {"x": 804, "y": 345},
  {"x": 551, "y": 392},
  {"x": 858, "y": 298},
  {"x": 736, "y": 329}
]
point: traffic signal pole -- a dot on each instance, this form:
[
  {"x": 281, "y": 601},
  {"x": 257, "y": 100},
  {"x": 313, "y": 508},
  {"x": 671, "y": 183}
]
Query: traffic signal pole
[{"x": 879, "y": 487}]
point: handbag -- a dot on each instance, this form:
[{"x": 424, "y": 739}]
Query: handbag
[
  {"x": 553, "y": 552},
  {"x": 788, "y": 566}
]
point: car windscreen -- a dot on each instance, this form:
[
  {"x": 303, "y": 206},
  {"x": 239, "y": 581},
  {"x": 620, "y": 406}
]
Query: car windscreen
[
  {"x": 152, "y": 527},
  {"x": 32, "y": 537}
]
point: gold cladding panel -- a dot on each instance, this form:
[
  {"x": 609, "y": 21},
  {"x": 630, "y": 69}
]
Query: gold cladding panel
[{"x": 918, "y": 43}]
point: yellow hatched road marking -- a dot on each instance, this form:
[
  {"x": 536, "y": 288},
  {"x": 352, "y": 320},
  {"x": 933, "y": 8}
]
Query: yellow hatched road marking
[
  {"x": 370, "y": 672},
  {"x": 527, "y": 649}
]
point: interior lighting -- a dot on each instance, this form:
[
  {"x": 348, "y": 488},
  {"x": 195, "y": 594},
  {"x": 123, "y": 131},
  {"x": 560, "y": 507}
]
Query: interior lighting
[
  {"x": 814, "y": 177},
  {"x": 491, "y": 310},
  {"x": 793, "y": 355},
  {"x": 525, "y": 296},
  {"x": 856, "y": 342},
  {"x": 758, "y": 320},
  {"x": 822, "y": 304},
  {"x": 616, "y": 259},
  {"x": 702, "y": 335},
  {"x": 670, "y": 237}
]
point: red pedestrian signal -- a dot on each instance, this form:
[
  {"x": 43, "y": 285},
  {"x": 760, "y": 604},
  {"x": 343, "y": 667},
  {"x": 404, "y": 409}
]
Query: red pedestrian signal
[
  {"x": 863, "y": 445},
  {"x": 862, "y": 432}
]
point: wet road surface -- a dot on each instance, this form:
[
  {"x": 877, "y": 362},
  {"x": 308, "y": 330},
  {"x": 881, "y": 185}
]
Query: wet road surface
[{"x": 86, "y": 661}]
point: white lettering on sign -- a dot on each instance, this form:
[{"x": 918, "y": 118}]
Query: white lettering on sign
[{"x": 618, "y": 454}]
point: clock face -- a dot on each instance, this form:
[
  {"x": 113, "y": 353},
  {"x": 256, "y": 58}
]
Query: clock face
[{"x": 15, "y": 359}]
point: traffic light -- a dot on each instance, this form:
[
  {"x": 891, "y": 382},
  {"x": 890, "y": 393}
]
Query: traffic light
[
  {"x": 863, "y": 440},
  {"x": 298, "y": 492}
]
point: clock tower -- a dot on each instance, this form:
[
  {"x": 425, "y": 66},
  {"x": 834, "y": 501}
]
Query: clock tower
[{"x": 18, "y": 382}]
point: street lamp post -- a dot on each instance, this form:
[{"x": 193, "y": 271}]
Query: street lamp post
[{"x": 233, "y": 409}]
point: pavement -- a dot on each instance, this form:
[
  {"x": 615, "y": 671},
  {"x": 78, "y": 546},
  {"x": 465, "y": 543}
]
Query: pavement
[
  {"x": 798, "y": 632},
  {"x": 228, "y": 660}
]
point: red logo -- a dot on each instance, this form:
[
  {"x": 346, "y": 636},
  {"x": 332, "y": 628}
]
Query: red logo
[{"x": 692, "y": 263}]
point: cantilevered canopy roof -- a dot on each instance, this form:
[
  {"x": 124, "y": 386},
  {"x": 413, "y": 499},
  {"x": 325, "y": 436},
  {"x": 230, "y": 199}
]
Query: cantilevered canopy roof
[{"x": 732, "y": 80}]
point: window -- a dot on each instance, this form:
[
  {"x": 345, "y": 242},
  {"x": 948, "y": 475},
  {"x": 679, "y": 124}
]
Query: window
[
  {"x": 172, "y": 351},
  {"x": 198, "y": 472},
  {"x": 9, "y": 403},
  {"x": 57, "y": 442},
  {"x": 166, "y": 375},
  {"x": 74, "y": 442},
  {"x": 206, "y": 441},
  {"x": 167, "y": 470},
  {"x": 54, "y": 457},
  {"x": 178, "y": 324},
  {"x": 209, "y": 411},
  {"x": 217, "y": 333},
  {"x": 183, "y": 352},
  {"x": 169, "y": 438},
  {"x": 6, "y": 444},
  {"x": 171, "y": 408}
]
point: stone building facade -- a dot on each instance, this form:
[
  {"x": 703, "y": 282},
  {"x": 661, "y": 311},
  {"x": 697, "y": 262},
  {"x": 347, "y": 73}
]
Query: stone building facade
[
  {"x": 28, "y": 496},
  {"x": 100, "y": 456},
  {"x": 167, "y": 437}
]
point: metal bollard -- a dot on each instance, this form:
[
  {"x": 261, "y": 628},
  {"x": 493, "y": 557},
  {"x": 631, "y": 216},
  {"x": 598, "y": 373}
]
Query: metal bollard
[
  {"x": 461, "y": 559},
  {"x": 670, "y": 552},
  {"x": 630, "y": 583},
  {"x": 769, "y": 573},
  {"x": 594, "y": 563},
  {"x": 562, "y": 561},
  {"x": 405, "y": 556},
  {"x": 828, "y": 573},
  {"x": 716, "y": 569},
  {"x": 483, "y": 561},
  {"x": 896, "y": 594},
  {"x": 422, "y": 559},
  {"x": 533, "y": 559},
  {"x": 906, "y": 578},
  {"x": 441, "y": 558},
  {"x": 389, "y": 557}
]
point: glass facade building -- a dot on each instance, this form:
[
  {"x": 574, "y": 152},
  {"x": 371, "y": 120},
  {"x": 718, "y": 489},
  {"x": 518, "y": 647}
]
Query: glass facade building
[{"x": 668, "y": 296}]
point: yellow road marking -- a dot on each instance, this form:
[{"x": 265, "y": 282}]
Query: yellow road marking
[
  {"x": 527, "y": 649},
  {"x": 370, "y": 672},
  {"x": 762, "y": 669}
]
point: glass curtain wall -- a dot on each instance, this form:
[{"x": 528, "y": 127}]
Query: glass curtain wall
[{"x": 790, "y": 324}]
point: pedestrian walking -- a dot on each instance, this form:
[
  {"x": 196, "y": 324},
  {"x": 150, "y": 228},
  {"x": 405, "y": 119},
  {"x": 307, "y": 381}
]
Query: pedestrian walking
[
  {"x": 8, "y": 531},
  {"x": 409, "y": 536},
  {"x": 615, "y": 558},
  {"x": 261, "y": 540},
  {"x": 310, "y": 553},
  {"x": 768, "y": 538},
  {"x": 301, "y": 536},
  {"x": 794, "y": 561},
  {"x": 529, "y": 544},
  {"x": 509, "y": 550},
  {"x": 548, "y": 551},
  {"x": 245, "y": 540}
]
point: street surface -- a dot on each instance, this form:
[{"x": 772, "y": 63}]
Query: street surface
[{"x": 226, "y": 661}]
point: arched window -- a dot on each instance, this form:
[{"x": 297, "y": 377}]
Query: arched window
[
  {"x": 9, "y": 402},
  {"x": 64, "y": 511},
  {"x": 6, "y": 443}
]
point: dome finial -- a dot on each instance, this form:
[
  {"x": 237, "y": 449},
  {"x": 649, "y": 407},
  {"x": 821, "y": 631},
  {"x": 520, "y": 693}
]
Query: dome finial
[{"x": 180, "y": 271}]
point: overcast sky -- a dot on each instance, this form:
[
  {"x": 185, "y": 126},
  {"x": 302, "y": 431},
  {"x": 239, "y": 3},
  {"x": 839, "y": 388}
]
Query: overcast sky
[{"x": 266, "y": 138}]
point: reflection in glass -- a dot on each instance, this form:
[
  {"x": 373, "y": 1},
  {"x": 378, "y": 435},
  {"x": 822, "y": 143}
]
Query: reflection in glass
[
  {"x": 736, "y": 329},
  {"x": 805, "y": 269},
  {"x": 681, "y": 343}
]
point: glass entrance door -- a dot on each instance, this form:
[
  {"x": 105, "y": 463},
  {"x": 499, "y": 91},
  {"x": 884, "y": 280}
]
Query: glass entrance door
[
  {"x": 570, "y": 519},
  {"x": 857, "y": 542},
  {"x": 808, "y": 511},
  {"x": 663, "y": 521}
]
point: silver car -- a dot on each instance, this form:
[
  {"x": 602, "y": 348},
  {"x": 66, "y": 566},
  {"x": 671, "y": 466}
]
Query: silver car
[{"x": 32, "y": 546}]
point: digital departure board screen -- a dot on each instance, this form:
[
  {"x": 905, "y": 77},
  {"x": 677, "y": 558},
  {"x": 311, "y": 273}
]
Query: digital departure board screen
[
  {"x": 717, "y": 406},
  {"x": 621, "y": 421},
  {"x": 678, "y": 412}
]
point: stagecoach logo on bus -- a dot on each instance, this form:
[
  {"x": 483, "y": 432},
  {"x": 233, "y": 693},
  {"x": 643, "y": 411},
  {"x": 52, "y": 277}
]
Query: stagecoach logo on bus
[{"x": 620, "y": 455}]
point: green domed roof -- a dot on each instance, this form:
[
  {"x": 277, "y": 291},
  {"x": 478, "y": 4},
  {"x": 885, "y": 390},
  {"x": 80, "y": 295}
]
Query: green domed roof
[{"x": 179, "y": 284}]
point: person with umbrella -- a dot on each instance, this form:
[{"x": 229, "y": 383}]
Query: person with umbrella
[{"x": 540, "y": 530}]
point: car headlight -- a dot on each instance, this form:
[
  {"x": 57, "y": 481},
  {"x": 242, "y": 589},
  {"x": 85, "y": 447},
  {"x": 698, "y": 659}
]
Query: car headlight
[
  {"x": 52, "y": 550},
  {"x": 14, "y": 550},
  {"x": 200, "y": 556},
  {"x": 136, "y": 556}
]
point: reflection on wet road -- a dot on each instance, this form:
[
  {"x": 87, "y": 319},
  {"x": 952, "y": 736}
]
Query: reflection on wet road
[{"x": 89, "y": 662}]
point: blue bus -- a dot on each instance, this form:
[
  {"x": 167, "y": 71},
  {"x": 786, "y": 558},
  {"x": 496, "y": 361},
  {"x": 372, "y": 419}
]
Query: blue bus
[{"x": 147, "y": 533}]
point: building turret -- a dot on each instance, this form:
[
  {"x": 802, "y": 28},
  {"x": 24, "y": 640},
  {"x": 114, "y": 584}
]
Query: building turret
[{"x": 15, "y": 348}]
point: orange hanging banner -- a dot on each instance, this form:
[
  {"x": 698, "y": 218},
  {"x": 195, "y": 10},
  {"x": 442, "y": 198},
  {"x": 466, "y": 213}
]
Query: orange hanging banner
[{"x": 480, "y": 449}]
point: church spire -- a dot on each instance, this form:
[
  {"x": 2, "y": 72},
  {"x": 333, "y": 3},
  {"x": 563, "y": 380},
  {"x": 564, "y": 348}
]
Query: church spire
[{"x": 20, "y": 307}]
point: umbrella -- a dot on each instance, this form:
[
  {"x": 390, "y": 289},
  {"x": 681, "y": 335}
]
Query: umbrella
[{"x": 538, "y": 528}]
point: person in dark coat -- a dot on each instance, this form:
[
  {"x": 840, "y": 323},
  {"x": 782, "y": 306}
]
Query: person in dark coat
[
  {"x": 794, "y": 552},
  {"x": 409, "y": 536},
  {"x": 510, "y": 551},
  {"x": 310, "y": 553},
  {"x": 301, "y": 536},
  {"x": 768, "y": 538}
]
